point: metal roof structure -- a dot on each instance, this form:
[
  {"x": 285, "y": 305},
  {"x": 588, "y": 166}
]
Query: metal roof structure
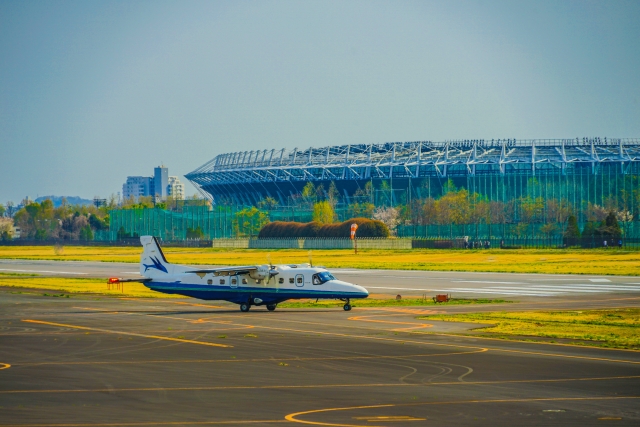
[{"x": 259, "y": 171}]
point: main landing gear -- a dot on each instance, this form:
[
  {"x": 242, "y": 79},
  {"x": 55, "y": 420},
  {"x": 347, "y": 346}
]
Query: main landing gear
[
  {"x": 245, "y": 307},
  {"x": 347, "y": 306}
]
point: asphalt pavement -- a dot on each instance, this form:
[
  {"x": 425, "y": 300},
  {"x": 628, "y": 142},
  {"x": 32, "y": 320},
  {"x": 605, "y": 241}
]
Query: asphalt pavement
[{"x": 96, "y": 361}]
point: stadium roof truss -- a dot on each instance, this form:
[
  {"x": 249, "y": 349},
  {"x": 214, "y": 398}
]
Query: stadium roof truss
[{"x": 414, "y": 160}]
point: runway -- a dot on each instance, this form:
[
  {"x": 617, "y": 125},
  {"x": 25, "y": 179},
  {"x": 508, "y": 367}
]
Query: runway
[
  {"x": 87, "y": 361},
  {"x": 392, "y": 282}
]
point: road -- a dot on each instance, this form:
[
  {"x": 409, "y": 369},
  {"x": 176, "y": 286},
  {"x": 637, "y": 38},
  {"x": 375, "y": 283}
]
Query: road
[{"x": 87, "y": 361}]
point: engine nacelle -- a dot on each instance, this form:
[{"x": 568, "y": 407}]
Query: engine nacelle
[{"x": 261, "y": 273}]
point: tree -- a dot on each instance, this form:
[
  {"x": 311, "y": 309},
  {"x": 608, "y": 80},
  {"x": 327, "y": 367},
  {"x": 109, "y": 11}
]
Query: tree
[
  {"x": 364, "y": 209},
  {"x": 610, "y": 229},
  {"x": 429, "y": 212},
  {"x": 268, "y": 203},
  {"x": 195, "y": 233},
  {"x": 2, "y": 210},
  {"x": 86, "y": 233},
  {"x": 549, "y": 229},
  {"x": 333, "y": 194},
  {"x": 364, "y": 194},
  {"x": 388, "y": 216},
  {"x": 387, "y": 193},
  {"x": 6, "y": 228},
  {"x": 572, "y": 233},
  {"x": 249, "y": 221},
  {"x": 323, "y": 212},
  {"x": 625, "y": 217},
  {"x": 309, "y": 194}
]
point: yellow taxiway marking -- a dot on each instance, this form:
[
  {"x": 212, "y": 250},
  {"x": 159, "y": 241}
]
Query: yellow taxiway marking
[
  {"x": 154, "y": 423},
  {"x": 427, "y": 342},
  {"x": 414, "y": 325},
  {"x": 271, "y": 359},
  {"x": 556, "y": 344},
  {"x": 293, "y": 417},
  {"x": 174, "y": 302},
  {"x": 390, "y": 418},
  {"x": 316, "y": 386},
  {"x": 335, "y": 334},
  {"x": 157, "y": 337},
  {"x": 203, "y": 320},
  {"x": 4, "y": 365}
]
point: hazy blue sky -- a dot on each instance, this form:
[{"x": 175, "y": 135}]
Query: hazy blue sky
[{"x": 93, "y": 91}]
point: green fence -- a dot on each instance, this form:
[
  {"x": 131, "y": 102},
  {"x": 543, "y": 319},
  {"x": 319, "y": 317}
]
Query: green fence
[{"x": 218, "y": 223}]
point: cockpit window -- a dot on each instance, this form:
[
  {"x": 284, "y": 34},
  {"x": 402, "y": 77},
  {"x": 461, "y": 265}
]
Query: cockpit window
[{"x": 323, "y": 277}]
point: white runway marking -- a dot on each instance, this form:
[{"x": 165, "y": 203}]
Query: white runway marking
[
  {"x": 40, "y": 271},
  {"x": 599, "y": 280},
  {"x": 604, "y": 287},
  {"x": 400, "y": 289},
  {"x": 489, "y": 282}
]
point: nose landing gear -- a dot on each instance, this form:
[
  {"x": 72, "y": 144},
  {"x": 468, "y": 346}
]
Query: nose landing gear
[{"x": 347, "y": 305}]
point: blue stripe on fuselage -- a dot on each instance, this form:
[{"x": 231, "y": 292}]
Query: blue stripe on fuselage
[{"x": 241, "y": 294}]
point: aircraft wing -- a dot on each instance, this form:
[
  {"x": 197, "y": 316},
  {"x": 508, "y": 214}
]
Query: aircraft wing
[{"x": 232, "y": 270}]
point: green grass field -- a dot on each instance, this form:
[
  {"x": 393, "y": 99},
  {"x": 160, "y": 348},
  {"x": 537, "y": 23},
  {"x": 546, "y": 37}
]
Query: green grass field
[
  {"x": 550, "y": 261},
  {"x": 78, "y": 286},
  {"x": 613, "y": 328}
]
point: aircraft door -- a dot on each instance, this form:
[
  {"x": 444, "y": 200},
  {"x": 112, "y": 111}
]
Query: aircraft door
[{"x": 299, "y": 280}]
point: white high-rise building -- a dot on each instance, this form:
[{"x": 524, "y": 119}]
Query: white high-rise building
[
  {"x": 160, "y": 185},
  {"x": 175, "y": 188}
]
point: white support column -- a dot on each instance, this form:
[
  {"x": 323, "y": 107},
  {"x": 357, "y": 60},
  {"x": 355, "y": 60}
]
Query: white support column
[
  {"x": 533, "y": 157},
  {"x": 503, "y": 156},
  {"x": 418, "y": 160}
]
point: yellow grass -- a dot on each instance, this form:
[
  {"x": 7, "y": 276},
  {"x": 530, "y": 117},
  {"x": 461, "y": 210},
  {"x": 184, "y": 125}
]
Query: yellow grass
[
  {"x": 75, "y": 286},
  {"x": 595, "y": 261},
  {"x": 619, "y": 328}
]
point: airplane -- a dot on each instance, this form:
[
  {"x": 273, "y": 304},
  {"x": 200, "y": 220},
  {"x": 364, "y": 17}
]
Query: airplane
[{"x": 247, "y": 286}]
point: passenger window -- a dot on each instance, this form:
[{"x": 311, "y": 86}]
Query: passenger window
[
  {"x": 299, "y": 279},
  {"x": 290, "y": 279},
  {"x": 244, "y": 281},
  {"x": 222, "y": 281},
  {"x": 209, "y": 282},
  {"x": 281, "y": 280},
  {"x": 234, "y": 281}
]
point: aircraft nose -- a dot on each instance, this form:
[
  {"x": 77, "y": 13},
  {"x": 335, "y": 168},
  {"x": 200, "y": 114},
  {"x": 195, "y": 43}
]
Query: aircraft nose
[{"x": 364, "y": 291}]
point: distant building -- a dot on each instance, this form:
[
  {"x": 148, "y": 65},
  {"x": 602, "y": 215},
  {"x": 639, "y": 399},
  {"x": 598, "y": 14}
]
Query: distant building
[
  {"x": 159, "y": 186},
  {"x": 175, "y": 188},
  {"x": 137, "y": 186},
  {"x": 160, "y": 182}
]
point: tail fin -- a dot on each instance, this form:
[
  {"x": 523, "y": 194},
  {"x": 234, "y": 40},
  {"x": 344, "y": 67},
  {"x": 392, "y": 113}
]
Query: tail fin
[{"x": 152, "y": 261}]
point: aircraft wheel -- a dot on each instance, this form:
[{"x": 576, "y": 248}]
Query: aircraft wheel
[
  {"x": 271, "y": 307},
  {"x": 245, "y": 307},
  {"x": 347, "y": 307}
]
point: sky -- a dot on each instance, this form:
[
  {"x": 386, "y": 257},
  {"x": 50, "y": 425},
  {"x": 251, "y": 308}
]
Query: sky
[{"x": 94, "y": 91}]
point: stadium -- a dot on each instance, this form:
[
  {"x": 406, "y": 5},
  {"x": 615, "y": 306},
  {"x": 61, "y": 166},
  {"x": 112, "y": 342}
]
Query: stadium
[{"x": 580, "y": 171}]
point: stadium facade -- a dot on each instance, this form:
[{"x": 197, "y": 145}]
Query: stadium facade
[{"x": 580, "y": 170}]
